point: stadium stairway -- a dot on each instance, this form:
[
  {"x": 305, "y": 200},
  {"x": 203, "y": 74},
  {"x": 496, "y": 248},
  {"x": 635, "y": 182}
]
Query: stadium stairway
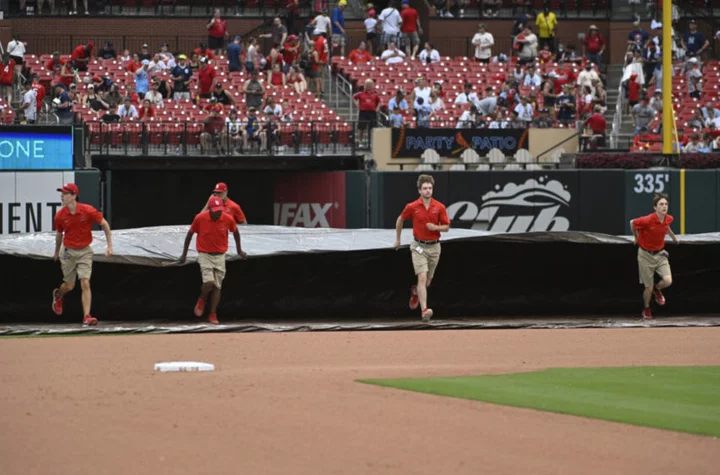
[{"x": 614, "y": 76}]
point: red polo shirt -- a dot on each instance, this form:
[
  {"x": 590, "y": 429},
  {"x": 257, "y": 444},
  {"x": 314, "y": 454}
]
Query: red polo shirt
[
  {"x": 360, "y": 57},
  {"x": 409, "y": 20},
  {"x": 218, "y": 29},
  {"x": 593, "y": 44},
  {"x": 77, "y": 227},
  {"x": 212, "y": 235},
  {"x": 652, "y": 232},
  {"x": 597, "y": 123},
  {"x": 79, "y": 53},
  {"x": 421, "y": 216},
  {"x": 234, "y": 210},
  {"x": 368, "y": 101},
  {"x": 206, "y": 76}
]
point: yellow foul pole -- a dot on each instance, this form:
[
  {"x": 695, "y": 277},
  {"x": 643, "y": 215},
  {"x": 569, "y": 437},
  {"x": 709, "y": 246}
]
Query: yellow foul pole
[{"x": 667, "y": 120}]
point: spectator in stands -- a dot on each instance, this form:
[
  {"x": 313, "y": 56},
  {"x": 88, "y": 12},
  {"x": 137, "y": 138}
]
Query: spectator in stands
[
  {"x": 547, "y": 90},
  {"x": 39, "y": 89},
  {"x": 594, "y": 46},
  {"x": 165, "y": 51},
  {"x": 146, "y": 111},
  {"x": 521, "y": 21},
  {"x": 63, "y": 105},
  {"x": 390, "y": 22},
  {"x": 217, "y": 32},
  {"x": 488, "y": 104},
  {"x": 546, "y": 56},
  {"x": 371, "y": 26},
  {"x": 29, "y": 103},
  {"x": 435, "y": 103},
  {"x": 154, "y": 97},
  {"x": 82, "y": 55},
  {"x": 291, "y": 53},
  {"x": 297, "y": 80},
  {"x": 546, "y": 23},
  {"x": 231, "y": 137},
  {"x": 543, "y": 121},
  {"x": 145, "y": 53},
  {"x": 7, "y": 71},
  {"x": 339, "y": 36},
  {"x": 93, "y": 100},
  {"x": 275, "y": 109},
  {"x": 632, "y": 87},
  {"x": 16, "y": 49},
  {"x": 113, "y": 96},
  {"x": 642, "y": 114},
  {"x": 524, "y": 110},
  {"x": 74, "y": 10},
  {"x": 73, "y": 93},
  {"x": 368, "y": 104},
  {"x": 532, "y": 77},
  {"x": 181, "y": 76},
  {"x": 134, "y": 64},
  {"x": 107, "y": 51},
  {"x": 587, "y": 77},
  {"x": 637, "y": 38},
  {"x": 467, "y": 96},
  {"x": 508, "y": 96},
  {"x": 278, "y": 34},
  {"x": 321, "y": 24},
  {"x": 438, "y": 88},
  {"x": 491, "y": 7},
  {"x": 287, "y": 115},
  {"x": 597, "y": 125},
  {"x": 657, "y": 101},
  {"x": 645, "y": 139},
  {"x": 111, "y": 116},
  {"x": 360, "y": 55},
  {"x": 213, "y": 125},
  {"x": 156, "y": 65},
  {"x": 420, "y": 90},
  {"x": 319, "y": 62},
  {"x": 694, "y": 145},
  {"x": 693, "y": 77},
  {"x": 142, "y": 79},
  {"x": 54, "y": 60},
  {"x": 252, "y": 131},
  {"x": 206, "y": 78},
  {"x": 527, "y": 45},
  {"x": 127, "y": 110},
  {"x": 234, "y": 50},
  {"x": 204, "y": 52},
  {"x": 709, "y": 113},
  {"x": 518, "y": 75},
  {"x": 392, "y": 55},
  {"x": 694, "y": 43},
  {"x": 429, "y": 54},
  {"x": 566, "y": 106},
  {"x": 586, "y": 105},
  {"x": 275, "y": 77},
  {"x": 515, "y": 121},
  {"x": 398, "y": 101},
  {"x": 222, "y": 95},
  {"x": 422, "y": 113},
  {"x": 468, "y": 118},
  {"x": 483, "y": 42},
  {"x": 396, "y": 119},
  {"x": 254, "y": 91},
  {"x": 410, "y": 29}
]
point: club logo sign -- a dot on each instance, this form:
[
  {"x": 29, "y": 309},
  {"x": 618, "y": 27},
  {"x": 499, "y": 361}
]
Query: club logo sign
[{"x": 536, "y": 205}]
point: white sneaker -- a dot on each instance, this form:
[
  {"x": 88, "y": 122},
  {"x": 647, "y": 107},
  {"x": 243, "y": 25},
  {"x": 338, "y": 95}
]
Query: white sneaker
[
  {"x": 449, "y": 15},
  {"x": 462, "y": 12},
  {"x": 426, "y": 314}
]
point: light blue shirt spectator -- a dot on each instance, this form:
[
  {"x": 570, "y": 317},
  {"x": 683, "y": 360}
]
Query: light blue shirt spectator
[
  {"x": 142, "y": 81},
  {"x": 402, "y": 105},
  {"x": 396, "y": 120}
]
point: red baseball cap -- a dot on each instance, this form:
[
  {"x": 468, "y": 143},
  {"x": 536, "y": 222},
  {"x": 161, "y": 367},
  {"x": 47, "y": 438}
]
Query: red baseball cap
[
  {"x": 220, "y": 188},
  {"x": 216, "y": 204},
  {"x": 70, "y": 188}
]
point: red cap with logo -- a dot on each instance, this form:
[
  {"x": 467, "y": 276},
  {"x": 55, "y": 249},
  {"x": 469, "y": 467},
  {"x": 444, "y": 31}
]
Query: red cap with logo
[
  {"x": 216, "y": 204},
  {"x": 70, "y": 188},
  {"x": 220, "y": 188}
]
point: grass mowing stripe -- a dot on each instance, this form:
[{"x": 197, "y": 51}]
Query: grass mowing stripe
[{"x": 686, "y": 399}]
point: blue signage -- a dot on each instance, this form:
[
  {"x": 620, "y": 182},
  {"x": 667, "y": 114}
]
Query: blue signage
[
  {"x": 411, "y": 143},
  {"x": 36, "y": 148}
]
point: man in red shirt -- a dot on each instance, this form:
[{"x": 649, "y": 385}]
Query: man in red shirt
[
  {"x": 597, "y": 125},
  {"x": 319, "y": 61},
  {"x": 217, "y": 32},
  {"x": 368, "y": 103},
  {"x": 206, "y": 75},
  {"x": 73, "y": 225},
  {"x": 429, "y": 218},
  {"x": 81, "y": 56},
  {"x": 7, "y": 70},
  {"x": 594, "y": 46},
  {"x": 410, "y": 29},
  {"x": 231, "y": 208},
  {"x": 40, "y": 90},
  {"x": 360, "y": 55},
  {"x": 649, "y": 234},
  {"x": 212, "y": 228}
]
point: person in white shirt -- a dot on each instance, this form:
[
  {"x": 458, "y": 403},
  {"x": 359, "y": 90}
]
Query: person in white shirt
[
  {"x": 436, "y": 103},
  {"x": 467, "y": 96},
  {"x": 271, "y": 107},
  {"x": 29, "y": 103},
  {"x": 532, "y": 78},
  {"x": 529, "y": 45},
  {"x": 420, "y": 90},
  {"x": 16, "y": 50},
  {"x": 483, "y": 42},
  {"x": 154, "y": 96},
  {"x": 429, "y": 54},
  {"x": 694, "y": 145},
  {"x": 392, "y": 55},
  {"x": 390, "y": 20},
  {"x": 321, "y": 24},
  {"x": 586, "y": 77},
  {"x": 127, "y": 110},
  {"x": 524, "y": 110},
  {"x": 371, "y": 31},
  {"x": 157, "y": 65},
  {"x": 467, "y": 119},
  {"x": 518, "y": 73},
  {"x": 231, "y": 136}
]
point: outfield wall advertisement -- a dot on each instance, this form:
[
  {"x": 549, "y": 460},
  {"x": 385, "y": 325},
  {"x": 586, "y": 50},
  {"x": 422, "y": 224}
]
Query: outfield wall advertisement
[
  {"x": 36, "y": 148},
  {"x": 29, "y": 200}
]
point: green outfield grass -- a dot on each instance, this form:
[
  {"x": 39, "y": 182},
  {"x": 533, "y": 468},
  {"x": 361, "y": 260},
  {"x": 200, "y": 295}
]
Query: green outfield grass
[{"x": 685, "y": 399}]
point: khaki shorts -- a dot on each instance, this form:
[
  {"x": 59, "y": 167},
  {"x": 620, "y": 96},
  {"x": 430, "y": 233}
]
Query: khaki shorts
[
  {"x": 411, "y": 39},
  {"x": 649, "y": 264},
  {"x": 427, "y": 260},
  {"x": 212, "y": 268},
  {"x": 76, "y": 263}
]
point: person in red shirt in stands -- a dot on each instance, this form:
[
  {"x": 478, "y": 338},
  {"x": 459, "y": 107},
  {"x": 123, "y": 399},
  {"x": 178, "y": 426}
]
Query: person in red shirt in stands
[
  {"x": 134, "y": 64},
  {"x": 633, "y": 91},
  {"x": 217, "y": 32},
  {"x": 7, "y": 70},
  {"x": 410, "y": 29},
  {"x": 231, "y": 208},
  {"x": 645, "y": 139},
  {"x": 594, "y": 46},
  {"x": 146, "y": 111},
  {"x": 360, "y": 55},
  {"x": 50, "y": 63},
  {"x": 597, "y": 125},
  {"x": 291, "y": 52},
  {"x": 212, "y": 227},
  {"x": 203, "y": 51},
  {"x": 73, "y": 226},
  {"x": 319, "y": 61},
  {"x": 213, "y": 125},
  {"x": 82, "y": 55},
  {"x": 39, "y": 90},
  {"x": 206, "y": 75},
  {"x": 429, "y": 218},
  {"x": 649, "y": 235},
  {"x": 368, "y": 103}
]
